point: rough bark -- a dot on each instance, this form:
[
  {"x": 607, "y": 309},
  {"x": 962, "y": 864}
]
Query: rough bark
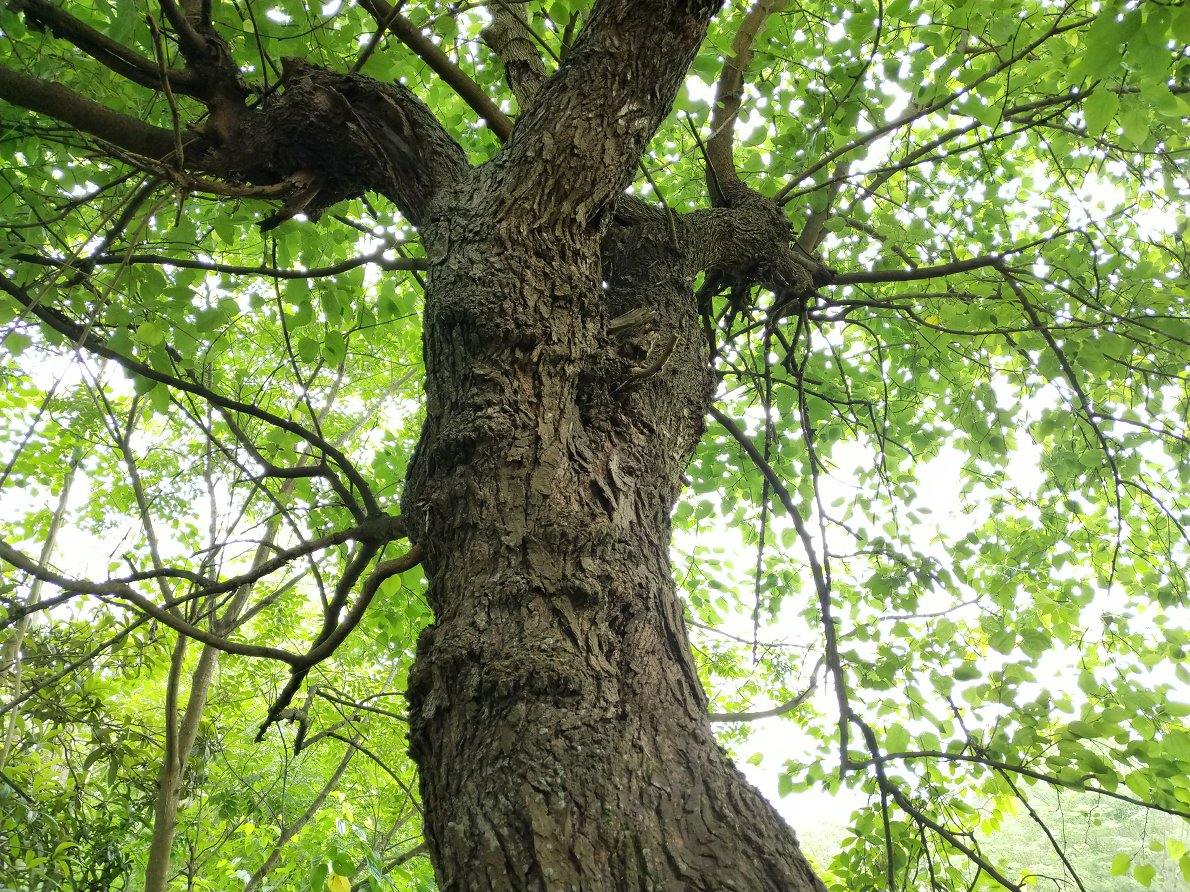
[{"x": 555, "y": 711}]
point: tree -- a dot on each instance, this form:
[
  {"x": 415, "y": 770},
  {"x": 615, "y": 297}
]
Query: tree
[{"x": 899, "y": 232}]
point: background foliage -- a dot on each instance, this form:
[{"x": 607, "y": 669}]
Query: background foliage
[{"x": 938, "y": 523}]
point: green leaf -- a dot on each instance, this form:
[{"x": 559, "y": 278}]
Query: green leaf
[
  {"x": 308, "y": 349},
  {"x": 1144, "y": 874},
  {"x": 149, "y": 334},
  {"x": 159, "y": 399},
  {"x": 1180, "y": 24},
  {"x": 334, "y": 347},
  {"x": 784, "y": 785},
  {"x": 1135, "y": 122},
  {"x": 1120, "y": 865},
  {"x": 223, "y": 225},
  {"x": 16, "y": 342},
  {"x": 1035, "y": 642},
  {"x": 1099, "y": 109},
  {"x": 123, "y": 23},
  {"x": 1139, "y": 784},
  {"x": 1106, "y": 41},
  {"x": 1003, "y": 641},
  {"x": 343, "y": 864},
  {"x": 896, "y": 738},
  {"x": 967, "y": 672},
  {"x": 318, "y": 875},
  {"x": 1082, "y": 729}
]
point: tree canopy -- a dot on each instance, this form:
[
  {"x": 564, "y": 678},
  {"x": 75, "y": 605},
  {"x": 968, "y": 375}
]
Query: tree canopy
[{"x": 935, "y": 529}]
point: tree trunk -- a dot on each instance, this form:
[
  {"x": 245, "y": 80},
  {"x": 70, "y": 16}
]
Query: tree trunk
[{"x": 555, "y": 711}]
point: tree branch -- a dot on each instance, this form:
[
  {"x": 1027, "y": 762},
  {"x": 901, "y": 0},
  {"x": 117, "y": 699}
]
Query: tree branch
[
  {"x": 723, "y": 183},
  {"x": 107, "y": 52},
  {"x": 511, "y": 40},
  {"x": 192, "y": 43},
  {"x": 788, "y": 706},
  {"x": 1022, "y": 770},
  {"x": 264, "y": 272},
  {"x": 332, "y": 634},
  {"x": 86, "y": 115},
  {"x": 821, "y": 586},
  {"x": 122, "y": 592},
  {"x": 85, "y": 338},
  {"x": 916, "y": 113},
  {"x": 442, "y": 65},
  {"x": 594, "y": 117}
]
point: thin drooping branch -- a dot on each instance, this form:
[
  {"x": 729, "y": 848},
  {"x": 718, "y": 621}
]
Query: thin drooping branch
[
  {"x": 124, "y": 592},
  {"x": 1085, "y": 403},
  {"x": 821, "y": 585},
  {"x": 788, "y": 706},
  {"x": 1058, "y": 848},
  {"x": 288, "y": 831},
  {"x": 379, "y": 530}
]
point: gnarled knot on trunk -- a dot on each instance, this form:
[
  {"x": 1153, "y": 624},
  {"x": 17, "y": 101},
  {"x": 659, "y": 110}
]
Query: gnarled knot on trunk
[
  {"x": 752, "y": 244},
  {"x": 338, "y": 136},
  {"x": 642, "y": 342}
]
